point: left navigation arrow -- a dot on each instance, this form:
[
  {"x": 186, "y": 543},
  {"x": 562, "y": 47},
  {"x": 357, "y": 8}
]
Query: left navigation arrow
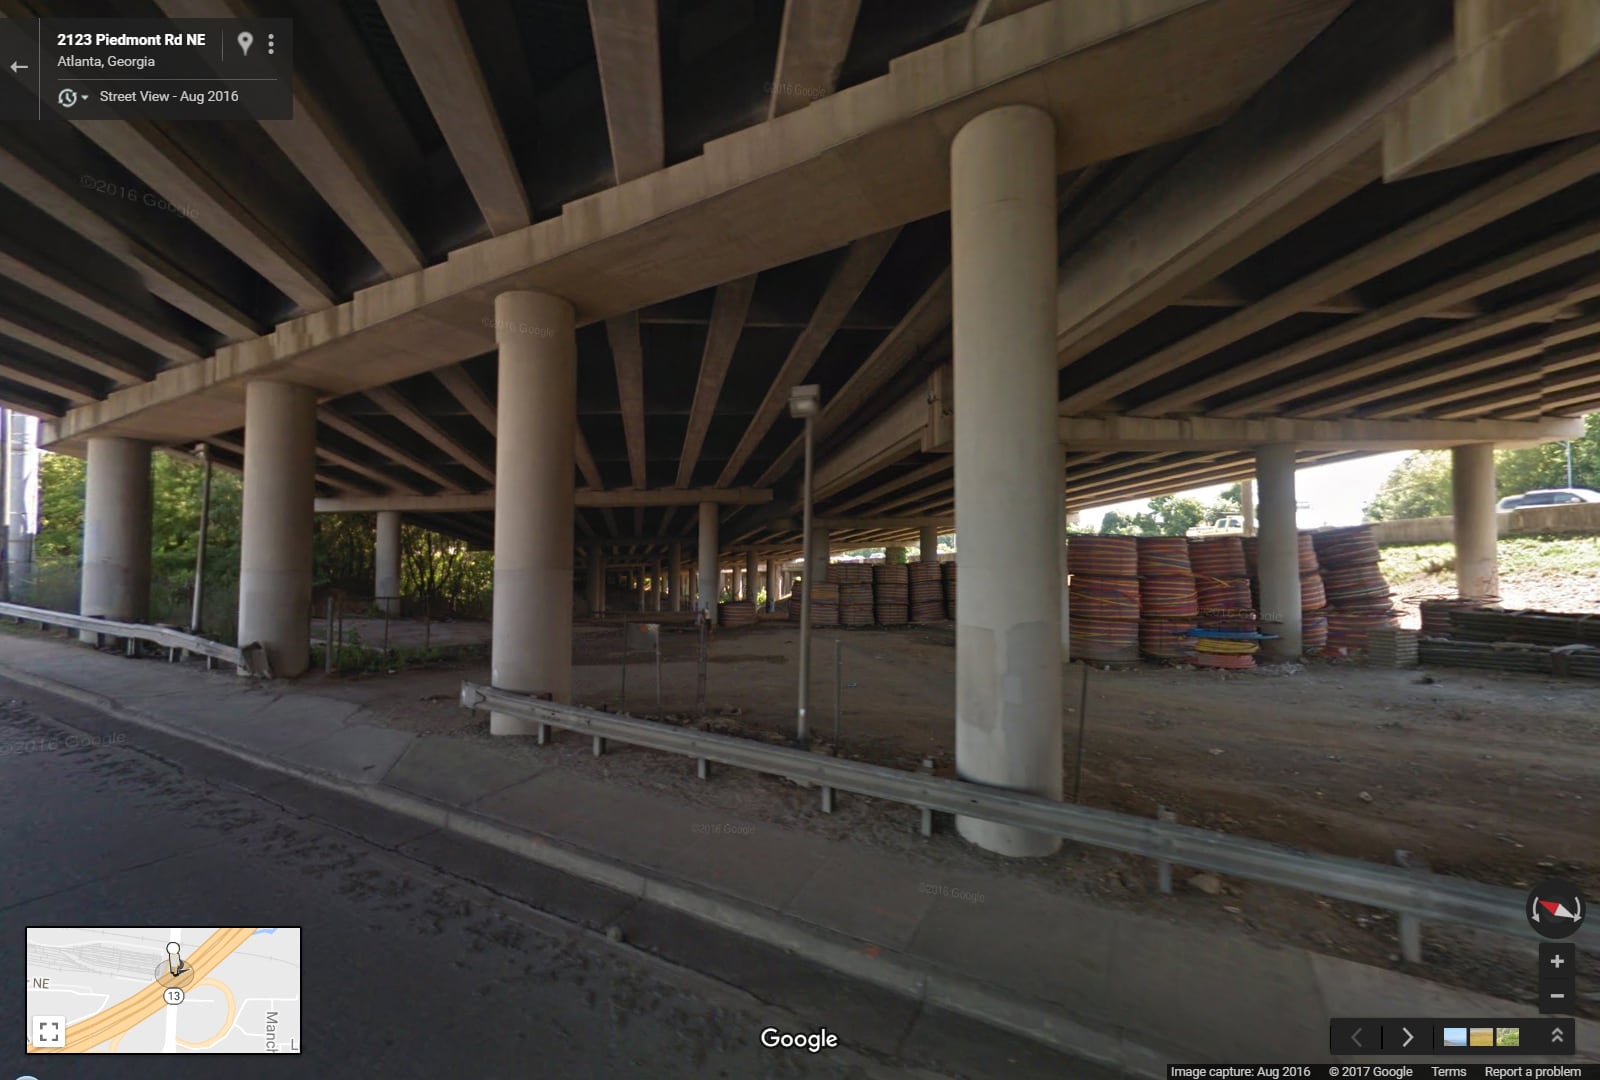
[{"x": 16, "y": 66}]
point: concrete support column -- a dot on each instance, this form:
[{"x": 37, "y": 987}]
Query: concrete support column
[
  {"x": 675, "y": 575},
  {"x": 817, "y": 568},
  {"x": 772, "y": 583},
  {"x": 1477, "y": 531},
  {"x": 1247, "y": 506},
  {"x": 1008, "y": 464},
  {"x": 387, "y": 557},
  {"x": 531, "y": 649},
  {"x": 658, "y": 582},
  {"x": 116, "y": 532},
  {"x": 752, "y": 570},
  {"x": 710, "y": 583},
  {"x": 1278, "y": 552},
  {"x": 275, "y": 560},
  {"x": 930, "y": 543}
]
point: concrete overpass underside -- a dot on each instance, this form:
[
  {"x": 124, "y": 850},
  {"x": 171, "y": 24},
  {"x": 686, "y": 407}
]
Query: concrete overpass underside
[{"x": 1273, "y": 230}]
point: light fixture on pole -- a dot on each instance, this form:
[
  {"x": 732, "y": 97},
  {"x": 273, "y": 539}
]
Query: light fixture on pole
[{"x": 804, "y": 404}]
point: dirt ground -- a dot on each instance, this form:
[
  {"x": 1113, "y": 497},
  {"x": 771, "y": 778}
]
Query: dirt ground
[{"x": 1490, "y": 777}]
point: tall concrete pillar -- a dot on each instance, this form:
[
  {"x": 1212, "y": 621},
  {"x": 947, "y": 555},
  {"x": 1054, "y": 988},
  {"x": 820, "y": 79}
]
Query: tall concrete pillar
[
  {"x": 930, "y": 543},
  {"x": 675, "y": 575},
  {"x": 1477, "y": 531},
  {"x": 1007, "y": 463},
  {"x": 1278, "y": 552},
  {"x": 710, "y": 583},
  {"x": 387, "y": 557},
  {"x": 275, "y": 560},
  {"x": 817, "y": 568},
  {"x": 752, "y": 568},
  {"x": 116, "y": 532},
  {"x": 772, "y": 583},
  {"x": 537, "y": 410},
  {"x": 1247, "y": 506},
  {"x": 657, "y": 584}
]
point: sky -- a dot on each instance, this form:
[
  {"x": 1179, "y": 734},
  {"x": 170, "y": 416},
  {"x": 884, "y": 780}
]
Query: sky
[{"x": 1336, "y": 494}]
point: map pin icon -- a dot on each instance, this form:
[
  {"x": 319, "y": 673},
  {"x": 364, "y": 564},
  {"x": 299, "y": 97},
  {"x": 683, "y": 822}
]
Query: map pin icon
[{"x": 246, "y": 39}]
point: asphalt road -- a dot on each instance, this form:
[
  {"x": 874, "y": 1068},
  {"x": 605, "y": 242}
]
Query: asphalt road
[{"x": 422, "y": 955}]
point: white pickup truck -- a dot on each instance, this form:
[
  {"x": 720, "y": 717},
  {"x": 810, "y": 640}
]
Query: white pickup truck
[{"x": 1232, "y": 525}]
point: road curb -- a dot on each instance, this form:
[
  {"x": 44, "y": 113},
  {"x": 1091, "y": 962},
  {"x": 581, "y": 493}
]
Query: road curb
[{"x": 856, "y": 959}]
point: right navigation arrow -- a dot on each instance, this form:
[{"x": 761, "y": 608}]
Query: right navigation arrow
[{"x": 1409, "y": 1037}]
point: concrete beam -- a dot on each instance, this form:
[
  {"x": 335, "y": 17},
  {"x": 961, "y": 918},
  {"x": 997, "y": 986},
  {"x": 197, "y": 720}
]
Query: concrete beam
[
  {"x": 395, "y": 404},
  {"x": 460, "y": 386},
  {"x": 1550, "y": 172},
  {"x": 68, "y": 385},
  {"x": 925, "y": 326},
  {"x": 773, "y": 185},
  {"x": 627, "y": 49},
  {"x": 65, "y": 345},
  {"x": 62, "y": 284},
  {"x": 350, "y": 429},
  {"x": 164, "y": 279},
  {"x": 844, "y": 289},
  {"x": 1583, "y": 239},
  {"x": 811, "y": 50},
  {"x": 627, "y": 354},
  {"x": 1306, "y": 141},
  {"x": 458, "y": 502},
  {"x": 313, "y": 143},
  {"x": 1203, "y": 433},
  {"x": 728, "y": 312},
  {"x": 899, "y": 432},
  {"x": 1533, "y": 79},
  {"x": 440, "y": 55},
  {"x": 161, "y": 163}
]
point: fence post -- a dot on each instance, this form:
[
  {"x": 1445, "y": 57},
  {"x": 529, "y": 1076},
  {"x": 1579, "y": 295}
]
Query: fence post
[{"x": 1163, "y": 867}]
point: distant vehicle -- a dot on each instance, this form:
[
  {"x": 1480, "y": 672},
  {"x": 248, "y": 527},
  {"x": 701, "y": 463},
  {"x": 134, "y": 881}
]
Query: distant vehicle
[
  {"x": 1547, "y": 497},
  {"x": 1232, "y": 525}
]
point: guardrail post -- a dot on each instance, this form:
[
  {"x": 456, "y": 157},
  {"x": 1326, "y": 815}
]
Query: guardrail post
[
  {"x": 827, "y": 799},
  {"x": 702, "y": 768},
  {"x": 927, "y": 821},
  {"x": 599, "y": 745},
  {"x": 1163, "y": 867},
  {"x": 1410, "y": 926},
  {"x": 541, "y": 735},
  {"x": 131, "y": 647}
]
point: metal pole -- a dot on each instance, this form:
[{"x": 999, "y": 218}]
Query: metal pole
[
  {"x": 200, "y": 549},
  {"x": 1569, "y": 463},
  {"x": 658, "y": 668},
  {"x": 805, "y": 597},
  {"x": 327, "y": 640},
  {"x": 1083, "y": 720},
  {"x": 701, "y": 679},
  {"x": 838, "y": 680},
  {"x": 622, "y": 695}
]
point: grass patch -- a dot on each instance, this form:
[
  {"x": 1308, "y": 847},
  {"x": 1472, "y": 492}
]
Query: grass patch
[{"x": 1518, "y": 555}]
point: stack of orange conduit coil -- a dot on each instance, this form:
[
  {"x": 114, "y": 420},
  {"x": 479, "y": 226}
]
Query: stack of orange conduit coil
[
  {"x": 1168, "y": 604},
  {"x": 1104, "y": 598},
  {"x": 1358, "y": 596},
  {"x": 1222, "y": 582}
]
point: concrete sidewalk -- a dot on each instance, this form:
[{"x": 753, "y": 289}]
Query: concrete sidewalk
[{"x": 1122, "y": 989}]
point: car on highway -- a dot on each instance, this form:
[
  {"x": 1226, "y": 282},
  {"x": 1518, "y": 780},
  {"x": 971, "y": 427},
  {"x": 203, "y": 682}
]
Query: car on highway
[{"x": 1548, "y": 497}]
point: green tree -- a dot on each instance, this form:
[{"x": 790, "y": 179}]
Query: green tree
[{"x": 1418, "y": 487}]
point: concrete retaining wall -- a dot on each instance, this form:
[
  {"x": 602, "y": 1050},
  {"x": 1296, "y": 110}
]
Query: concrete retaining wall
[{"x": 1533, "y": 521}]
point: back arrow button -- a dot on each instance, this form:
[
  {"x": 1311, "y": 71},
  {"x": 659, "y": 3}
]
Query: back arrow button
[{"x": 17, "y": 66}]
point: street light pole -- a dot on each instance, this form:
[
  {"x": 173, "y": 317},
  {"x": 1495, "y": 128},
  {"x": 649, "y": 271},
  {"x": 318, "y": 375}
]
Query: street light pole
[
  {"x": 1569, "y": 463},
  {"x": 804, "y": 402}
]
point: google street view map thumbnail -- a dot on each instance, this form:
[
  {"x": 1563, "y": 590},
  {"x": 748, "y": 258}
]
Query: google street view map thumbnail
[{"x": 152, "y": 990}]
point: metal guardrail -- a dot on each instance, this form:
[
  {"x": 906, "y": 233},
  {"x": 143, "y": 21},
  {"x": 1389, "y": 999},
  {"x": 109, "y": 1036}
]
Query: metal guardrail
[
  {"x": 1414, "y": 895},
  {"x": 249, "y": 658}
]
